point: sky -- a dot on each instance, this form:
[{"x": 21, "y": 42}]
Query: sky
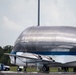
[{"x": 17, "y": 15}]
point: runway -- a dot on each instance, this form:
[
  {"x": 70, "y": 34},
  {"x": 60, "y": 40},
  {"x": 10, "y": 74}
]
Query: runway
[{"x": 35, "y": 73}]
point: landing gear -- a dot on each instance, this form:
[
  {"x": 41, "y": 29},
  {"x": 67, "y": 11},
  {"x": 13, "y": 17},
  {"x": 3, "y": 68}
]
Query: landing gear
[
  {"x": 59, "y": 69},
  {"x": 19, "y": 69},
  {"x": 25, "y": 69},
  {"x": 74, "y": 69},
  {"x": 63, "y": 69},
  {"x": 45, "y": 69}
]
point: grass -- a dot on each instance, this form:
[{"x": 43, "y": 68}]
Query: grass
[
  {"x": 29, "y": 69},
  {"x": 53, "y": 69},
  {"x": 13, "y": 68},
  {"x": 34, "y": 69}
]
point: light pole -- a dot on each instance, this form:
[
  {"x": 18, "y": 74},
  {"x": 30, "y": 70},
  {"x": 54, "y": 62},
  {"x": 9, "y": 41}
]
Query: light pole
[{"x": 38, "y": 12}]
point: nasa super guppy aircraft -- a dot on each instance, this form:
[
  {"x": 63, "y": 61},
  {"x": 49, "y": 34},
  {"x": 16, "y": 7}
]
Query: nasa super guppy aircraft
[{"x": 46, "y": 46}]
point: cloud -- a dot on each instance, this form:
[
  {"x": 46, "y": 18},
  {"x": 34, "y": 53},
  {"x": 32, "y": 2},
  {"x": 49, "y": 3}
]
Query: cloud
[
  {"x": 58, "y": 12},
  {"x": 11, "y": 25}
]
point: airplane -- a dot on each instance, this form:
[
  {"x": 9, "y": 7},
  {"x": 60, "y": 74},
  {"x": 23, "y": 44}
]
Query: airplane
[{"x": 45, "y": 46}]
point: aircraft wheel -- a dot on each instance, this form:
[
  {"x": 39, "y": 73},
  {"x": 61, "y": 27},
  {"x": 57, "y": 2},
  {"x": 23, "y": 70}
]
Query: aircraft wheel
[
  {"x": 25, "y": 68},
  {"x": 74, "y": 69},
  {"x": 45, "y": 69},
  {"x": 59, "y": 69},
  {"x": 19, "y": 69},
  {"x": 65, "y": 69}
]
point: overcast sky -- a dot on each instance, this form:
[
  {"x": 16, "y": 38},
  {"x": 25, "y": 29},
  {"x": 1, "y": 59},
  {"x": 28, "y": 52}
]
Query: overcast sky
[{"x": 17, "y": 15}]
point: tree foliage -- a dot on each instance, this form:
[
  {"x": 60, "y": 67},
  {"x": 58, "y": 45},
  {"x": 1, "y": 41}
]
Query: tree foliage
[{"x": 3, "y": 58}]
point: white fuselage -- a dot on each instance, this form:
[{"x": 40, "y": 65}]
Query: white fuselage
[{"x": 70, "y": 60}]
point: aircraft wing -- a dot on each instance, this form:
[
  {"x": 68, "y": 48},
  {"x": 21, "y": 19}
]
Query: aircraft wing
[{"x": 38, "y": 58}]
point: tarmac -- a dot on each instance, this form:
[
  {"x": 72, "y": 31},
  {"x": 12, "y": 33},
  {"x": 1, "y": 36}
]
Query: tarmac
[{"x": 35, "y": 73}]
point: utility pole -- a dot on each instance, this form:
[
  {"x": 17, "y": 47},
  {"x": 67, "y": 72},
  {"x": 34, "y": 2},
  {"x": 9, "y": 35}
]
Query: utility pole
[{"x": 38, "y": 12}]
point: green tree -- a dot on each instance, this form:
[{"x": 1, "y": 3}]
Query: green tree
[{"x": 4, "y": 58}]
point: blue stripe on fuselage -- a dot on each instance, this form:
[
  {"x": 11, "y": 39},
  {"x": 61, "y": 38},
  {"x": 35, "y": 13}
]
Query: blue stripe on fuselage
[
  {"x": 56, "y": 53},
  {"x": 13, "y": 52},
  {"x": 52, "y": 53}
]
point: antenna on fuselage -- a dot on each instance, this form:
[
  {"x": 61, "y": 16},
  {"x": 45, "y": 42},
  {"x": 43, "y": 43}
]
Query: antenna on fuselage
[{"x": 38, "y": 12}]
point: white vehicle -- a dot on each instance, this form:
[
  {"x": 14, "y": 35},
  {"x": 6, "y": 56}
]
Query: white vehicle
[{"x": 4, "y": 67}]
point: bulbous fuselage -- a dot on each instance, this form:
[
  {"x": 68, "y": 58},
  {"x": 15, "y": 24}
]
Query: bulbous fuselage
[{"x": 45, "y": 38}]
